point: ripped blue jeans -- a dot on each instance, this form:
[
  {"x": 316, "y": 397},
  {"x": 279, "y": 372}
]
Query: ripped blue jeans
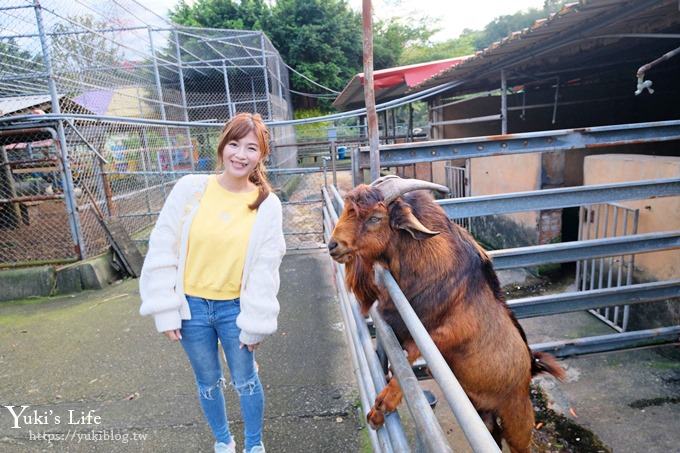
[{"x": 212, "y": 320}]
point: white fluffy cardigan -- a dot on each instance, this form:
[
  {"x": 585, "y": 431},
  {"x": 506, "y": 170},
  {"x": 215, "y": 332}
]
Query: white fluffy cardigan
[{"x": 162, "y": 279}]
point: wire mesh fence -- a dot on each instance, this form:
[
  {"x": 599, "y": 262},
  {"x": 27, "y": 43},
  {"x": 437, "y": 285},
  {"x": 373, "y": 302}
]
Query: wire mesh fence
[
  {"x": 34, "y": 220},
  {"x": 145, "y": 100}
]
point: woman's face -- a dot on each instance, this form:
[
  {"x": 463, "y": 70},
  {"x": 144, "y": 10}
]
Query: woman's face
[{"x": 240, "y": 157}]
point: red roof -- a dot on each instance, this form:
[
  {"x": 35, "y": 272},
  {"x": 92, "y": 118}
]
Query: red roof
[
  {"x": 411, "y": 75},
  {"x": 392, "y": 82}
]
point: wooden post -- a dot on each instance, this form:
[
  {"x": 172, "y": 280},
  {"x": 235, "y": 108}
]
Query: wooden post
[{"x": 369, "y": 90}]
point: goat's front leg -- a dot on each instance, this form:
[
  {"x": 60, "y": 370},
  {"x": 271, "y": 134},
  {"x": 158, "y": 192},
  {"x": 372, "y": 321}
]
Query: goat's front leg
[{"x": 390, "y": 396}]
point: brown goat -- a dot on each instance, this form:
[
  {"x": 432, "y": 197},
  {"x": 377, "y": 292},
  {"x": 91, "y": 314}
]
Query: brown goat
[{"x": 451, "y": 285}]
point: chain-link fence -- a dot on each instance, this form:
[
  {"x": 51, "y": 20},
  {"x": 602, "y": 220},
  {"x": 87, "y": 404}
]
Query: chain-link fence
[{"x": 142, "y": 102}]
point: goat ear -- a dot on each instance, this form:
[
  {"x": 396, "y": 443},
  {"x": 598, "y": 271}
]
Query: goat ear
[{"x": 402, "y": 218}]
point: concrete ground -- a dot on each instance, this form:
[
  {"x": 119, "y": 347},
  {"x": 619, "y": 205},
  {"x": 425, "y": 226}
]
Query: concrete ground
[
  {"x": 92, "y": 354},
  {"x": 629, "y": 399}
]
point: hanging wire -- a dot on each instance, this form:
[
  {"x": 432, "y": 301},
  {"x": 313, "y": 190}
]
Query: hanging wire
[
  {"x": 312, "y": 95},
  {"x": 310, "y": 80}
]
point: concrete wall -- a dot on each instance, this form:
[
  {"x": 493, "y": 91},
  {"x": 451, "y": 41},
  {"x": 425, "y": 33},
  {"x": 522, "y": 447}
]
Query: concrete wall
[
  {"x": 503, "y": 174},
  {"x": 659, "y": 214},
  {"x": 496, "y": 175},
  {"x": 516, "y": 173}
]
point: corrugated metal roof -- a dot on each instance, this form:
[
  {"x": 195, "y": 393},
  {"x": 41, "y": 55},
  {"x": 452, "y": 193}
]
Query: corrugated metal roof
[
  {"x": 9, "y": 105},
  {"x": 573, "y": 32},
  {"x": 391, "y": 83}
]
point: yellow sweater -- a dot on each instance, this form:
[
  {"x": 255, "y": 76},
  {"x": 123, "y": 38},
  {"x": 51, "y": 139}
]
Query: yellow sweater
[{"x": 218, "y": 241}]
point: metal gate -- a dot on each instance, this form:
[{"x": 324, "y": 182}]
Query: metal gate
[
  {"x": 458, "y": 182},
  {"x": 607, "y": 220}
]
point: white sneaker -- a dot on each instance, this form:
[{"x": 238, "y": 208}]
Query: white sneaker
[
  {"x": 255, "y": 449},
  {"x": 221, "y": 447}
]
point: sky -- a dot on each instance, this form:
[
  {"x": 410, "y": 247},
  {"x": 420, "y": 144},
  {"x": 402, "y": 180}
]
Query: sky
[{"x": 454, "y": 15}]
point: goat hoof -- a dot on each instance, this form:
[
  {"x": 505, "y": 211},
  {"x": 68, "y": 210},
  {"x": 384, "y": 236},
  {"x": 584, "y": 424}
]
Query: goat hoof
[
  {"x": 387, "y": 403},
  {"x": 375, "y": 418}
]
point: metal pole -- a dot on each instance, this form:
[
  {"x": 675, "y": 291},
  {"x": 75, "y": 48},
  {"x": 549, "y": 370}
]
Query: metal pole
[
  {"x": 334, "y": 149},
  {"x": 252, "y": 91},
  {"x": 409, "y": 134},
  {"x": 279, "y": 82},
  {"x": 357, "y": 173},
  {"x": 629, "y": 272},
  {"x": 504, "y": 103},
  {"x": 394, "y": 125},
  {"x": 383, "y": 436},
  {"x": 369, "y": 89},
  {"x": 557, "y": 95},
  {"x": 473, "y": 427},
  {"x": 7, "y": 170},
  {"x": 430, "y": 436},
  {"x": 230, "y": 106},
  {"x": 69, "y": 197},
  {"x": 159, "y": 88},
  {"x": 184, "y": 99},
  {"x": 266, "y": 79},
  {"x": 144, "y": 155}
]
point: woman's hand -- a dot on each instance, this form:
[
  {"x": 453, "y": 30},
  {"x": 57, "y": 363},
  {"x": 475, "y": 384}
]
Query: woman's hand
[
  {"x": 174, "y": 335},
  {"x": 251, "y": 347}
]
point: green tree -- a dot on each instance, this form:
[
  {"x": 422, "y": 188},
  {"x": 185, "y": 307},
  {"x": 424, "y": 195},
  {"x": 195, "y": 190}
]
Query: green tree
[
  {"x": 320, "y": 39},
  {"x": 502, "y": 26},
  {"x": 472, "y": 40},
  {"x": 420, "y": 53},
  {"x": 243, "y": 15},
  {"x": 392, "y": 37}
]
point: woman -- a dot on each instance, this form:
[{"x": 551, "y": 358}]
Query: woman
[{"x": 212, "y": 272}]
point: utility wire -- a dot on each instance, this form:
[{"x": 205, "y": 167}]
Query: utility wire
[
  {"x": 313, "y": 95},
  {"x": 310, "y": 80}
]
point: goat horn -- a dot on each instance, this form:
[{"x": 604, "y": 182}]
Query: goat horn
[{"x": 392, "y": 186}]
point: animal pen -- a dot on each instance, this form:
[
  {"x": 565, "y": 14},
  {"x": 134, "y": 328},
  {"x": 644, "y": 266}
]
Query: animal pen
[{"x": 141, "y": 101}]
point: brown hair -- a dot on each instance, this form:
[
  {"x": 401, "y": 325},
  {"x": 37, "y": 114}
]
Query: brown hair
[{"x": 235, "y": 129}]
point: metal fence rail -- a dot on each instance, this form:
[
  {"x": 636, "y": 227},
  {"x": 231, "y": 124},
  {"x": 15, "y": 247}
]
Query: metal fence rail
[
  {"x": 369, "y": 372},
  {"x": 583, "y": 300},
  {"x": 527, "y": 142},
  {"x": 559, "y": 198},
  {"x": 565, "y": 252},
  {"x": 431, "y": 436},
  {"x": 590, "y": 274},
  {"x": 476, "y": 432}
]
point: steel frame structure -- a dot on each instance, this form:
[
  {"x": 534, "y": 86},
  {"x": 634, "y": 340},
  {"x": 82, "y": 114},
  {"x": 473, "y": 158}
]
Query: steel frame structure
[{"x": 162, "y": 78}]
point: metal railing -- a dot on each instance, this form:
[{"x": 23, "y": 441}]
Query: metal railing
[
  {"x": 465, "y": 414},
  {"x": 429, "y": 434},
  {"x": 583, "y": 250}
]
